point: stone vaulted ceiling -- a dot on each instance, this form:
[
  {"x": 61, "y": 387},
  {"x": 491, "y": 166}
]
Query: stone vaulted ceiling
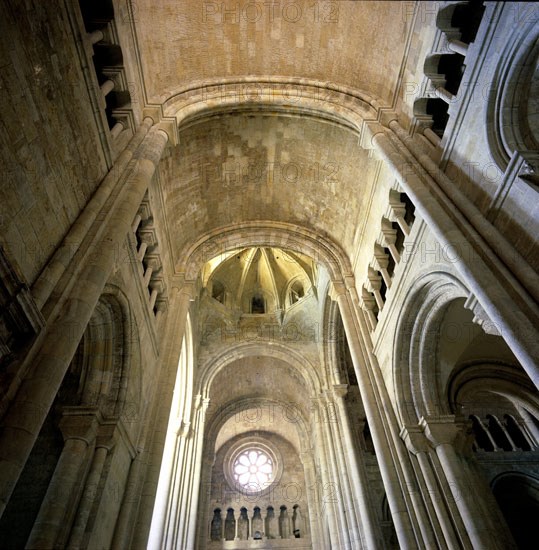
[
  {"x": 264, "y": 165},
  {"x": 182, "y": 42},
  {"x": 236, "y": 169}
]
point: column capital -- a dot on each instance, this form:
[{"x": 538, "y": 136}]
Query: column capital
[
  {"x": 381, "y": 257},
  {"x": 162, "y": 122},
  {"x": 396, "y": 209},
  {"x": 415, "y": 440},
  {"x": 107, "y": 435},
  {"x": 180, "y": 289},
  {"x": 201, "y": 402},
  {"x": 374, "y": 280},
  {"x": 480, "y": 316},
  {"x": 366, "y": 301},
  {"x": 169, "y": 126},
  {"x": 369, "y": 130},
  {"x": 326, "y": 397},
  {"x": 336, "y": 289},
  {"x": 316, "y": 402},
  {"x": 388, "y": 235},
  {"x": 79, "y": 423},
  {"x": 340, "y": 390},
  {"x": 445, "y": 430},
  {"x": 184, "y": 429}
]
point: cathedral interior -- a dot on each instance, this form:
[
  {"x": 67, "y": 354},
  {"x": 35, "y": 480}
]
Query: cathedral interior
[{"x": 268, "y": 274}]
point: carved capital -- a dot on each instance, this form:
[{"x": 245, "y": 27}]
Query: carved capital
[{"x": 388, "y": 235}]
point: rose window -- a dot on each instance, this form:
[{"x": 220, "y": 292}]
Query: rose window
[{"x": 253, "y": 470}]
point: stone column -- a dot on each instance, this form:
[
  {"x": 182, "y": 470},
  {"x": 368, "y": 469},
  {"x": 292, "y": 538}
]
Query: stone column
[
  {"x": 124, "y": 523},
  {"x": 78, "y": 428},
  {"x": 389, "y": 238},
  {"x": 329, "y": 508},
  {"x": 374, "y": 286},
  {"x": 107, "y": 87},
  {"x": 319, "y": 534},
  {"x": 116, "y": 130},
  {"x": 193, "y": 492},
  {"x": 176, "y": 521},
  {"x": 443, "y": 94},
  {"x": 457, "y": 46},
  {"x": 367, "y": 302},
  {"x": 76, "y": 239},
  {"x": 478, "y": 509},
  {"x": 249, "y": 525},
  {"x": 469, "y": 239},
  {"x": 95, "y": 37},
  {"x": 88, "y": 497},
  {"x": 170, "y": 496},
  {"x": 272, "y": 525},
  {"x": 36, "y": 393},
  {"x": 433, "y": 138},
  {"x": 404, "y": 507},
  {"x": 381, "y": 262},
  {"x": 419, "y": 446},
  {"x": 104, "y": 444},
  {"x": 345, "y": 511},
  {"x": 284, "y": 524},
  {"x": 359, "y": 483},
  {"x": 398, "y": 211}
]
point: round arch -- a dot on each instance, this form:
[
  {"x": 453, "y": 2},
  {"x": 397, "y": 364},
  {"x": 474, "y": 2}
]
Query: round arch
[
  {"x": 275, "y": 350},
  {"x": 334, "y": 336},
  {"x": 183, "y": 395},
  {"x": 324, "y": 100},
  {"x": 216, "y": 422},
  {"x": 517, "y": 495},
  {"x": 515, "y": 79},
  {"x": 107, "y": 355},
  {"x": 264, "y": 234},
  {"x": 508, "y": 381},
  {"x": 415, "y": 381}
]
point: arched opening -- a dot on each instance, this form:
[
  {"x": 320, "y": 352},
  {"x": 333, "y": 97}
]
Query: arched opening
[
  {"x": 461, "y": 374},
  {"x": 258, "y": 304},
  {"x": 52, "y": 495},
  {"x": 518, "y": 498},
  {"x": 297, "y": 292},
  {"x": 512, "y": 106},
  {"x": 218, "y": 291},
  {"x": 216, "y": 525}
]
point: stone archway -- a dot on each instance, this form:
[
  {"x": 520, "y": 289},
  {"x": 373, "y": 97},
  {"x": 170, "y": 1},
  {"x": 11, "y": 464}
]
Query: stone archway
[
  {"x": 518, "y": 498},
  {"x": 415, "y": 381}
]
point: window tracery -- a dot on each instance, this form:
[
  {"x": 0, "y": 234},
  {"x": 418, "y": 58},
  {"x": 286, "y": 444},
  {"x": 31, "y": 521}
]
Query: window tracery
[{"x": 253, "y": 469}]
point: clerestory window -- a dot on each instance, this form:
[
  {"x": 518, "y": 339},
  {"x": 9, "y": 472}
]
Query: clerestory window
[{"x": 253, "y": 470}]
